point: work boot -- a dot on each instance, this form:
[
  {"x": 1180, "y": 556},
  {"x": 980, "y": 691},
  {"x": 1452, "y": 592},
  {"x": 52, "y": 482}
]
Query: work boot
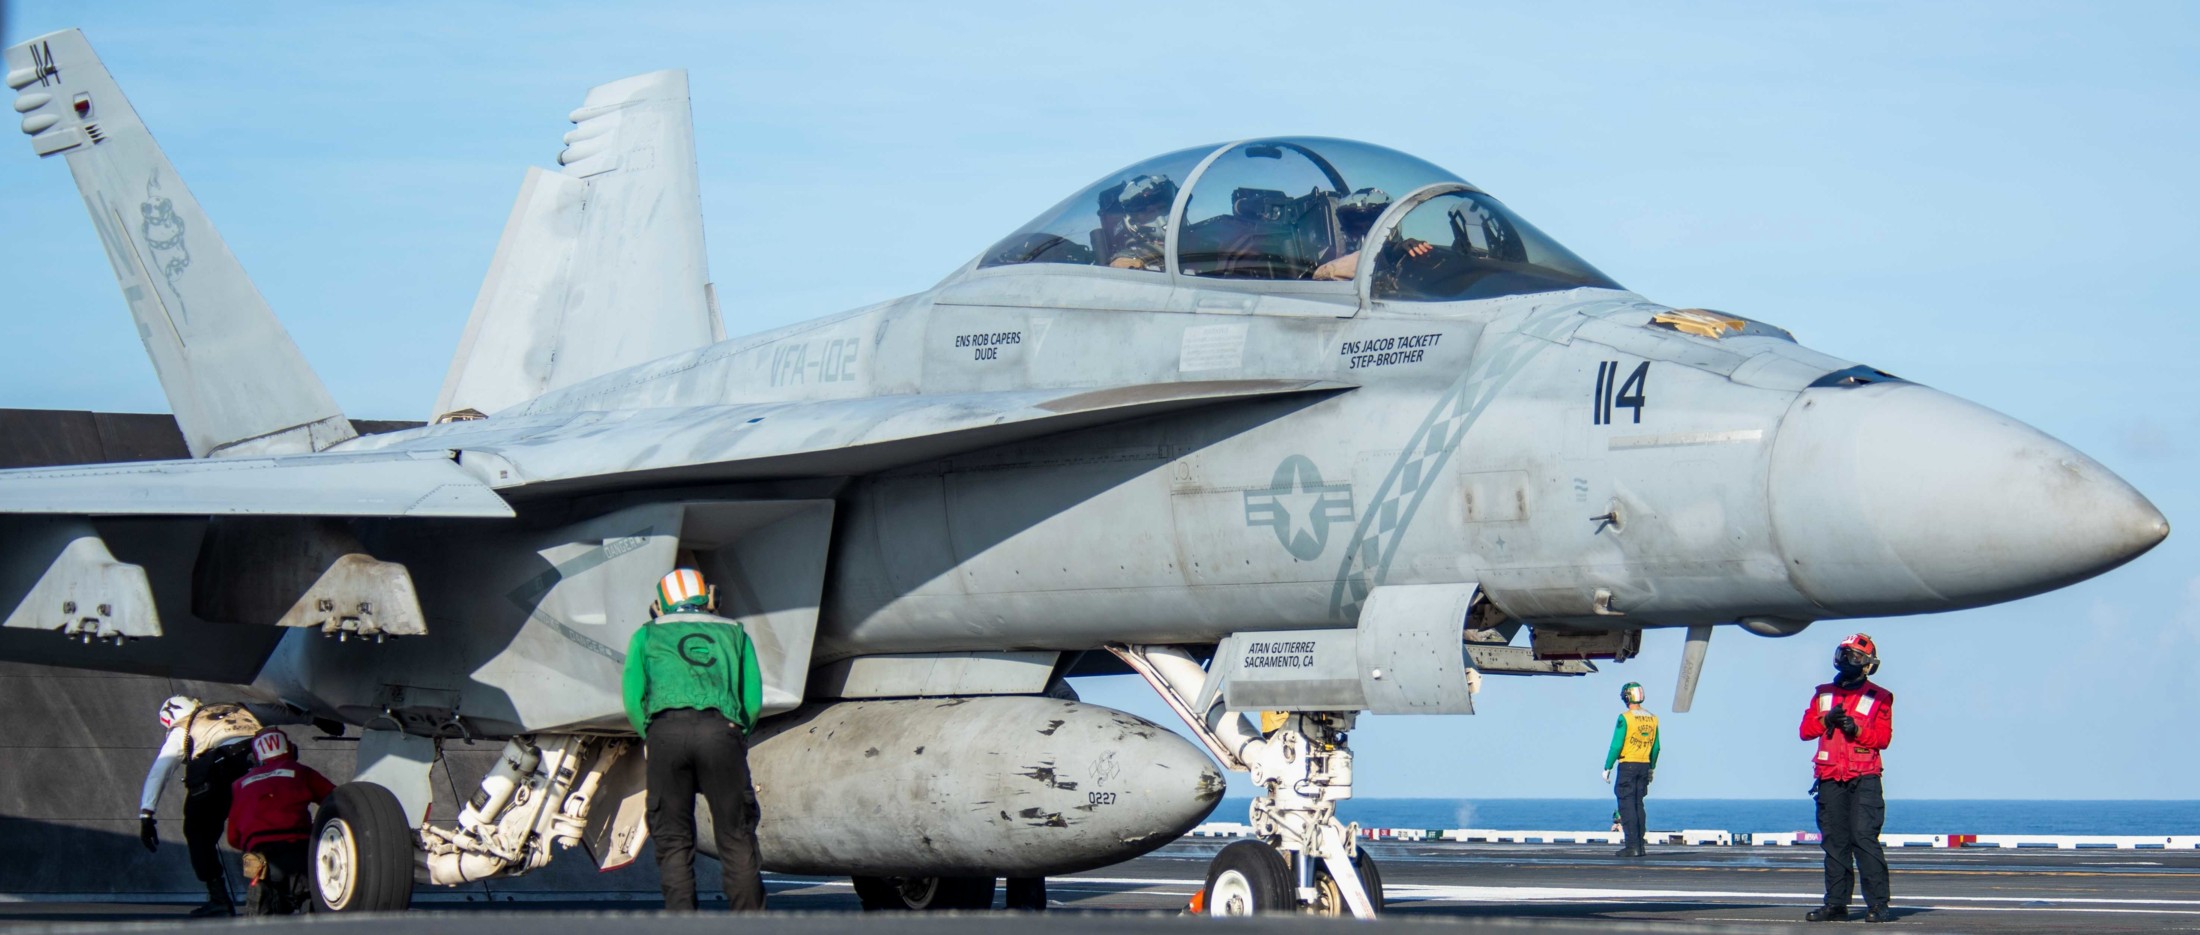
[
  {"x": 213, "y": 909},
  {"x": 1875, "y": 914},
  {"x": 218, "y": 903},
  {"x": 1827, "y": 914},
  {"x": 1625, "y": 850}
]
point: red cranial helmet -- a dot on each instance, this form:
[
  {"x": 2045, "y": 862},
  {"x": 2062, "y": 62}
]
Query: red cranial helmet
[
  {"x": 270, "y": 744},
  {"x": 1857, "y": 652}
]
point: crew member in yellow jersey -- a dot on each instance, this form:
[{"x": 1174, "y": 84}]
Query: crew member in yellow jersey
[{"x": 1635, "y": 750}]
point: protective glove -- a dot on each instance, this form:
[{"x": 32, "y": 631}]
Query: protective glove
[
  {"x": 1848, "y": 726},
  {"x": 1651, "y": 777},
  {"x": 148, "y": 835},
  {"x": 1607, "y": 777}
]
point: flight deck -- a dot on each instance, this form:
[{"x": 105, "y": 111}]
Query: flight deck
[{"x": 1497, "y": 887}]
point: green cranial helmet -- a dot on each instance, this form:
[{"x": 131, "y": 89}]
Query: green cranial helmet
[{"x": 1631, "y": 693}]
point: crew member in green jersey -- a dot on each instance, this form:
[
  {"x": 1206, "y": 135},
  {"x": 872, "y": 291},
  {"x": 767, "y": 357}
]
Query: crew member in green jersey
[{"x": 692, "y": 691}]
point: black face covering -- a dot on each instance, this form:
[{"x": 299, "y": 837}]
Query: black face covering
[{"x": 1848, "y": 667}]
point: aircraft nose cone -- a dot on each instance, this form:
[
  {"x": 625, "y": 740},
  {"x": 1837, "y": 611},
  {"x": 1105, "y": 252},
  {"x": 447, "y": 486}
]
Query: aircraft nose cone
[{"x": 1895, "y": 498}]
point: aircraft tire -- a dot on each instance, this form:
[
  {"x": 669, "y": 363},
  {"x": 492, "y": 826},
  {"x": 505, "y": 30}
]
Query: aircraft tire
[
  {"x": 361, "y": 852},
  {"x": 924, "y": 894},
  {"x": 1363, "y": 863},
  {"x": 1249, "y": 878}
]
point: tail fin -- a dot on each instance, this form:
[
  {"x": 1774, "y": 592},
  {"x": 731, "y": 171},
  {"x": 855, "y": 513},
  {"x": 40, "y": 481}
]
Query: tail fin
[
  {"x": 601, "y": 265},
  {"x": 237, "y": 383}
]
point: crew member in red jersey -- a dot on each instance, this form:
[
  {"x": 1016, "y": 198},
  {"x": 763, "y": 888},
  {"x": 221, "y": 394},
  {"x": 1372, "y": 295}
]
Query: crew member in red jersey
[
  {"x": 1852, "y": 719},
  {"x": 270, "y": 818}
]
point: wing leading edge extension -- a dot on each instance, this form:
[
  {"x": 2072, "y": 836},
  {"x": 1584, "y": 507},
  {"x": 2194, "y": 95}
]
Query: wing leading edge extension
[
  {"x": 457, "y": 470},
  {"x": 575, "y": 452},
  {"x": 417, "y": 484}
]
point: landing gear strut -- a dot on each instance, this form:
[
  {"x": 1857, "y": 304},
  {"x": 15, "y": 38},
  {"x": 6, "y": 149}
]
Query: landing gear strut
[
  {"x": 1304, "y": 768},
  {"x": 1304, "y": 860}
]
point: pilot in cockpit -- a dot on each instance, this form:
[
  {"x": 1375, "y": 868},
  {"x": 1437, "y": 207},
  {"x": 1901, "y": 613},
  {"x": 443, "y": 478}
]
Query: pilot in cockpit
[
  {"x": 1134, "y": 222},
  {"x": 1356, "y": 213}
]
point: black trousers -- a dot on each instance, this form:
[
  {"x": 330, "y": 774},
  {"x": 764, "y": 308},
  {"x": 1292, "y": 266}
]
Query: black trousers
[
  {"x": 206, "y": 781},
  {"x": 694, "y": 752},
  {"x": 1850, "y": 815},
  {"x": 1632, "y": 783},
  {"x": 283, "y": 891}
]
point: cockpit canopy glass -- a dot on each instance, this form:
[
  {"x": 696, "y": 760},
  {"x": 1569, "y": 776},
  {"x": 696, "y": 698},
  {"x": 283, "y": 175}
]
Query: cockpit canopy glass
[
  {"x": 1299, "y": 209},
  {"x": 1292, "y": 208},
  {"x": 1120, "y": 221},
  {"x": 1465, "y": 245}
]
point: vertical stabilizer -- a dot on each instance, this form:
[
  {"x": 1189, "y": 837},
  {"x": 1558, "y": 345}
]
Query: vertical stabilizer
[
  {"x": 601, "y": 265},
  {"x": 236, "y": 381}
]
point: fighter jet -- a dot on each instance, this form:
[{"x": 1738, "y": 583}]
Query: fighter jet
[{"x": 1295, "y": 428}]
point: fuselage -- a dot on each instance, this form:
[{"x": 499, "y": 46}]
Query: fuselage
[
  {"x": 1481, "y": 407},
  {"x": 1587, "y": 466}
]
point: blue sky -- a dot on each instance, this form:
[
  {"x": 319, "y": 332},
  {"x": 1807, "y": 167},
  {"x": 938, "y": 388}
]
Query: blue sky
[{"x": 1997, "y": 199}]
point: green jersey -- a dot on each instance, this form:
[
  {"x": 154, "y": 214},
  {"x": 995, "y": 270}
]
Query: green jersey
[{"x": 690, "y": 659}]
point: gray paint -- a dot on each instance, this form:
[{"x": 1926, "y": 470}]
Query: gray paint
[{"x": 1055, "y": 458}]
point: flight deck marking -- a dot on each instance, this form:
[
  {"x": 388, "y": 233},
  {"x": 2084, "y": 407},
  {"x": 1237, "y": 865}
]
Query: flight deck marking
[
  {"x": 1299, "y": 507},
  {"x": 1383, "y": 524}
]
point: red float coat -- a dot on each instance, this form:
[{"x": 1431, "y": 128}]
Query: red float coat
[
  {"x": 1838, "y": 758},
  {"x": 274, "y": 803}
]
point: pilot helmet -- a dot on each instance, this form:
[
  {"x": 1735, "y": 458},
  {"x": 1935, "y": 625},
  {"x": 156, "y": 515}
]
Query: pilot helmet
[
  {"x": 1631, "y": 693},
  {"x": 270, "y": 744},
  {"x": 683, "y": 589},
  {"x": 175, "y": 709},
  {"x": 1857, "y": 653},
  {"x": 1358, "y": 211},
  {"x": 1140, "y": 194}
]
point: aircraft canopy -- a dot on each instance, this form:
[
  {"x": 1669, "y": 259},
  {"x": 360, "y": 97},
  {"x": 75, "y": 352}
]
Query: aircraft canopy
[{"x": 1299, "y": 209}]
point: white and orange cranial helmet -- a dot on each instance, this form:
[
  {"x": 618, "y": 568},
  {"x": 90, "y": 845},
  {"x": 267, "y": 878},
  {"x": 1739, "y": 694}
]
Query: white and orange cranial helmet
[
  {"x": 683, "y": 589},
  {"x": 270, "y": 744},
  {"x": 175, "y": 709}
]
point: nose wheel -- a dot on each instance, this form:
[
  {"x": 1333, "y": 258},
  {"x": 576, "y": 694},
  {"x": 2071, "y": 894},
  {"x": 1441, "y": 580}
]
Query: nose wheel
[
  {"x": 1329, "y": 898},
  {"x": 1305, "y": 860},
  {"x": 1249, "y": 878}
]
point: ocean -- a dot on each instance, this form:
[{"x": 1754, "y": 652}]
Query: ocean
[{"x": 1904, "y": 816}]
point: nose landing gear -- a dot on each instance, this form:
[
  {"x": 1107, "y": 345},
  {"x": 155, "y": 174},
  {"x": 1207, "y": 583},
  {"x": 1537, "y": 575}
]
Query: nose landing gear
[{"x": 1304, "y": 859}]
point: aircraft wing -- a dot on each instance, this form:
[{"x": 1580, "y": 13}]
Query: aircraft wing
[
  {"x": 394, "y": 483},
  {"x": 563, "y": 453}
]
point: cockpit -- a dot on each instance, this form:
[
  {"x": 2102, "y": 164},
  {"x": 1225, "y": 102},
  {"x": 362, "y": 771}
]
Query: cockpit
[{"x": 1301, "y": 210}]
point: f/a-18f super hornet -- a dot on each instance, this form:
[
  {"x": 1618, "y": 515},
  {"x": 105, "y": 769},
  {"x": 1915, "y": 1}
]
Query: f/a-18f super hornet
[{"x": 1296, "y": 429}]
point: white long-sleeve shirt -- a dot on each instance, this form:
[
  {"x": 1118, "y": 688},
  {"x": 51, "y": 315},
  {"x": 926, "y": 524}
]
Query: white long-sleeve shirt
[
  {"x": 229, "y": 725},
  {"x": 164, "y": 768}
]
